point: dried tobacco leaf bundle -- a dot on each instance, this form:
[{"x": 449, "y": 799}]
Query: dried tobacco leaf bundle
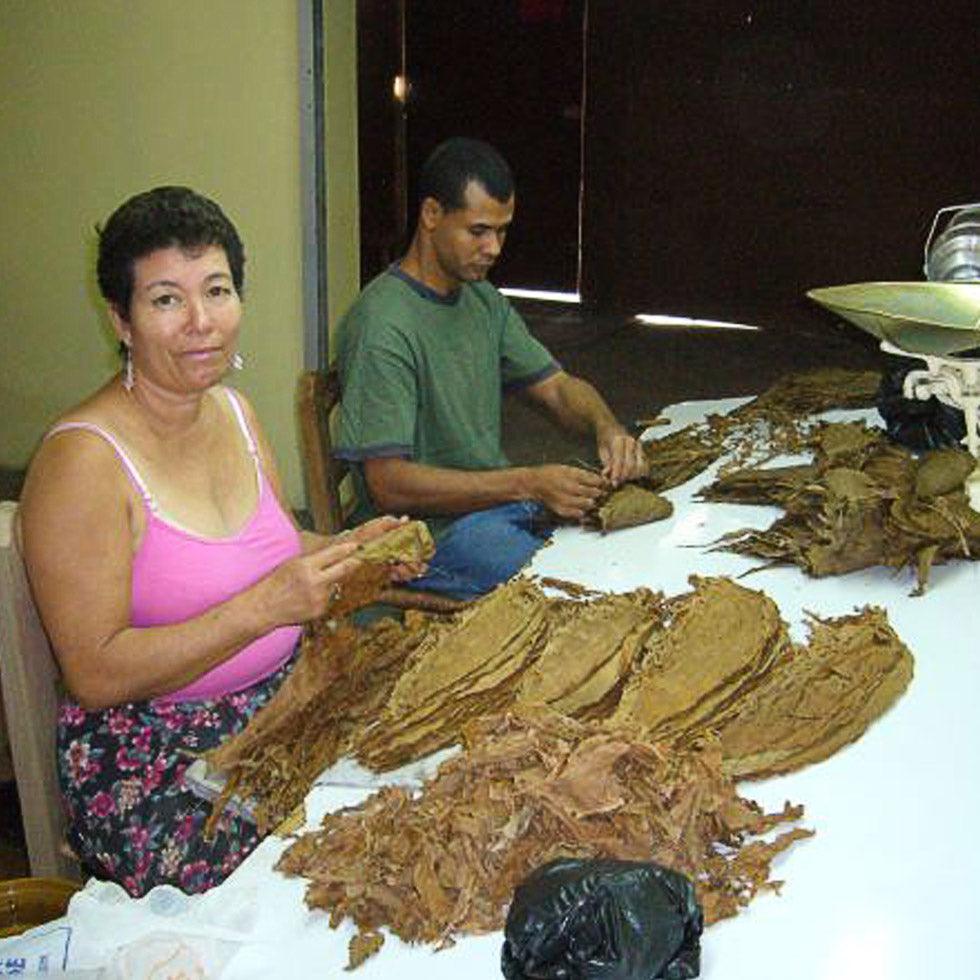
[
  {"x": 811, "y": 392},
  {"x": 527, "y": 789},
  {"x": 589, "y": 652},
  {"x": 678, "y": 457},
  {"x": 882, "y": 508},
  {"x": 759, "y": 485},
  {"x": 775, "y": 422},
  {"x": 467, "y": 668},
  {"x": 719, "y": 639},
  {"x": 339, "y": 684},
  {"x": 726, "y": 665},
  {"x": 629, "y": 506},
  {"x": 339, "y": 677},
  {"x": 942, "y": 471},
  {"x": 817, "y": 698},
  {"x": 849, "y": 444}
]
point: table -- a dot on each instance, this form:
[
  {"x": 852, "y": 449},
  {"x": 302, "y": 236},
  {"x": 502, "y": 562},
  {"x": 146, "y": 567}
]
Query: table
[{"x": 886, "y": 890}]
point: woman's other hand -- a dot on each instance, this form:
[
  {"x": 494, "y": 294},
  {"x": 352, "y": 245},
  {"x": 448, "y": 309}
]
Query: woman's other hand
[
  {"x": 400, "y": 572},
  {"x": 369, "y": 530}
]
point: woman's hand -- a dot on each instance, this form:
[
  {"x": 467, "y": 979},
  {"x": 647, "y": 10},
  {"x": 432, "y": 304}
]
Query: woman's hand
[
  {"x": 372, "y": 529},
  {"x": 400, "y": 572},
  {"x": 302, "y": 588}
]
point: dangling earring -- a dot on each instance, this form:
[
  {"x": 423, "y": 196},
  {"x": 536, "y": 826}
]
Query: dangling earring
[
  {"x": 128, "y": 379},
  {"x": 237, "y": 361}
]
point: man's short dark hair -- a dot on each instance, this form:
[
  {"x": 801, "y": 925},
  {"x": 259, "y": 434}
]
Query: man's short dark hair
[
  {"x": 161, "y": 218},
  {"x": 457, "y": 161}
]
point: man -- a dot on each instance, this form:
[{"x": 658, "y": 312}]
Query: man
[{"x": 425, "y": 353}]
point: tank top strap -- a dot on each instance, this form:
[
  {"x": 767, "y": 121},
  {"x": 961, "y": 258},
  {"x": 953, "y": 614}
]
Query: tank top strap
[
  {"x": 128, "y": 465},
  {"x": 236, "y": 405}
]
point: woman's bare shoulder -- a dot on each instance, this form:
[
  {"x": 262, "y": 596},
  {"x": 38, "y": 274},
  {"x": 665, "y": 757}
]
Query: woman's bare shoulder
[{"x": 75, "y": 452}]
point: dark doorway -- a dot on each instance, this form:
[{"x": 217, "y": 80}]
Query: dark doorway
[
  {"x": 509, "y": 72},
  {"x": 382, "y": 183}
]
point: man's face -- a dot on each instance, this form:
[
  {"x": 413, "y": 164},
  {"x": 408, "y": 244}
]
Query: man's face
[{"x": 468, "y": 240}]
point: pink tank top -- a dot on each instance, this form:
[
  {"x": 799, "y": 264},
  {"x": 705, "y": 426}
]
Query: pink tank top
[{"x": 179, "y": 574}]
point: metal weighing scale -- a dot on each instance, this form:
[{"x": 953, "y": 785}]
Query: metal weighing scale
[{"x": 937, "y": 322}]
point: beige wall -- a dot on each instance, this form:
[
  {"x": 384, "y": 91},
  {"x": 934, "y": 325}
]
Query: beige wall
[
  {"x": 104, "y": 98},
  {"x": 343, "y": 225}
]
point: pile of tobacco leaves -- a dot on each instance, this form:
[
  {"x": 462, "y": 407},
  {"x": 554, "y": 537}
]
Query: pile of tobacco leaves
[
  {"x": 863, "y": 502},
  {"x": 528, "y": 788},
  {"x": 774, "y": 423}
]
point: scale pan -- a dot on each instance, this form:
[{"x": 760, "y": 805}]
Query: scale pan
[{"x": 919, "y": 317}]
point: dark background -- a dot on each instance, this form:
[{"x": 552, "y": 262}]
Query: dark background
[{"x": 726, "y": 156}]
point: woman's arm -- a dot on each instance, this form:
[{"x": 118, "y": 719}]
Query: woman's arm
[{"x": 77, "y": 514}]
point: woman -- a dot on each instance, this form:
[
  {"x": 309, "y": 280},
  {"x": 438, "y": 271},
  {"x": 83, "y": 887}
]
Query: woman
[{"x": 168, "y": 572}]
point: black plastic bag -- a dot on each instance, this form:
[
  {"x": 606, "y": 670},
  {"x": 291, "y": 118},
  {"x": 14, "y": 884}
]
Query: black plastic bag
[
  {"x": 603, "y": 920},
  {"x": 917, "y": 425}
]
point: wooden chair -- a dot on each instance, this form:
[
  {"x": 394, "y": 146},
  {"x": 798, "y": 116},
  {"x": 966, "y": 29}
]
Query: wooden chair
[
  {"x": 330, "y": 496},
  {"x": 29, "y": 678}
]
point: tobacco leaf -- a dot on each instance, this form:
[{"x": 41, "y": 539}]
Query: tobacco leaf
[
  {"x": 648, "y": 678},
  {"x": 812, "y": 392},
  {"x": 339, "y": 675},
  {"x": 468, "y": 668},
  {"x": 629, "y": 506},
  {"x": 588, "y": 655},
  {"x": 862, "y": 503},
  {"x": 409, "y": 542},
  {"x": 942, "y": 471},
  {"x": 770, "y": 485},
  {"x": 339, "y": 683},
  {"x": 719, "y": 637},
  {"x": 817, "y": 698},
  {"x": 574, "y": 589},
  {"x": 776, "y": 420}
]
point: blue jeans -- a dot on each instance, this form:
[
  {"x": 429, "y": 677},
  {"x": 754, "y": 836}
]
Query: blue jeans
[{"x": 480, "y": 550}]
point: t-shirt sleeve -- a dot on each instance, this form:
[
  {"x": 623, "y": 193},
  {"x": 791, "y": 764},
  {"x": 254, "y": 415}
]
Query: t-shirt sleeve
[
  {"x": 378, "y": 401},
  {"x": 523, "y": 359}
]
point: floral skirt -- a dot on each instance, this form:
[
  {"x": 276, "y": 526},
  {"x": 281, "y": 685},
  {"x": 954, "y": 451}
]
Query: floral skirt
[{"x": 130, "y": 817}]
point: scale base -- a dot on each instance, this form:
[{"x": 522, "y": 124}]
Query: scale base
[{"x": 955, "y": 381}]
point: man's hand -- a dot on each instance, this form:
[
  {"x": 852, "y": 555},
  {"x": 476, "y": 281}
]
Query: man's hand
[
  {"x": 568, "y": 491},
  {"x": 622, "y": 456}
]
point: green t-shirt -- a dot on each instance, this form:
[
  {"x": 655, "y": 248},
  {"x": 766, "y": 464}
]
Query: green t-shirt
[{"x": 423, "y": 375}]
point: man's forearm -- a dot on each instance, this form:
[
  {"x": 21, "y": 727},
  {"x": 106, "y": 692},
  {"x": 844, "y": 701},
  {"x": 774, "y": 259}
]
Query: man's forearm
[
  {"x": 577, "y": 406},
  {"x": 400, "y": 486}
]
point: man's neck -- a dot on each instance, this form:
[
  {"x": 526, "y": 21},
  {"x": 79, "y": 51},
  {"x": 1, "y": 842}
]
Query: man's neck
[{"x": 419, "y": 263}]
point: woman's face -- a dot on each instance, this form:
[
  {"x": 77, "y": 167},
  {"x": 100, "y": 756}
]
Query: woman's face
[{"x": 183, "y": 318}]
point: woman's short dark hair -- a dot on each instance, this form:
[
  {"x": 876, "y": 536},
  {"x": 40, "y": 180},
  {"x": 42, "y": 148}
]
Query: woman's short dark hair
[
  {"x": 454, "y": 163},
  {"x": 161, "y": 218}
]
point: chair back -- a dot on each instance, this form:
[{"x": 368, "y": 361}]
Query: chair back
[
  {"x": 29, "y": 678},
  {"x": 317, "y": 397}
]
